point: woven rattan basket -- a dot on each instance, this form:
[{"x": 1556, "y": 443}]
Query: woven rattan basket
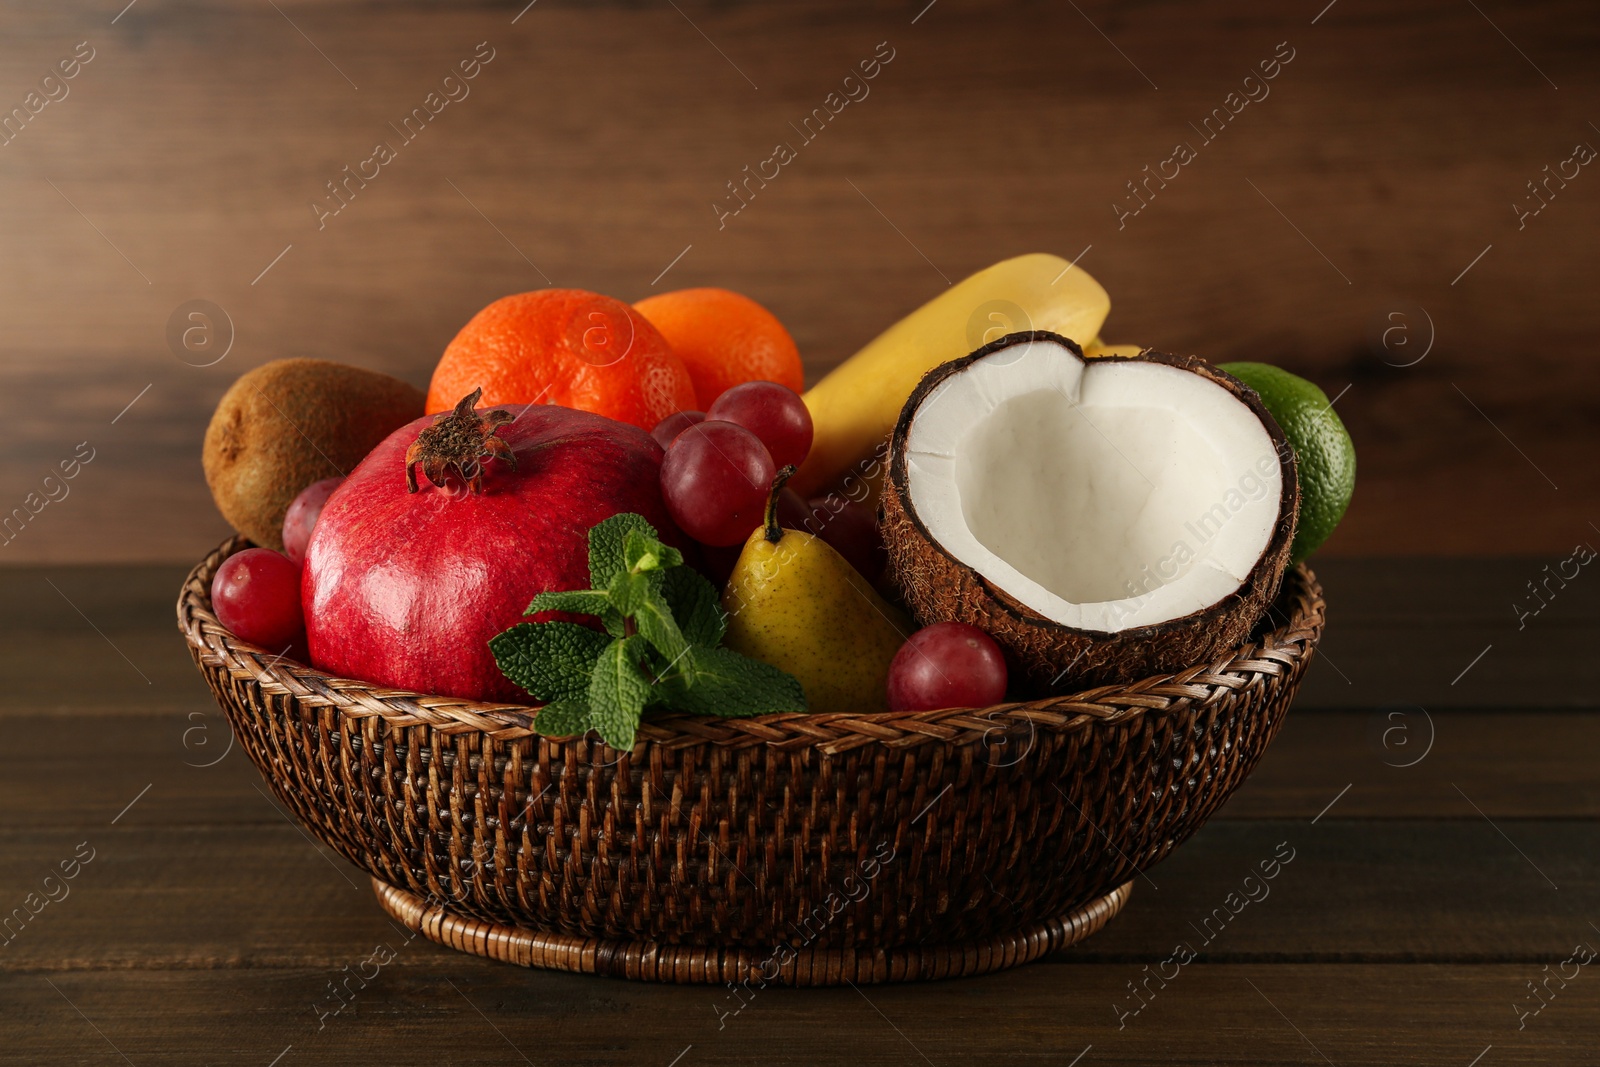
[{"x": 795, "y": 849}]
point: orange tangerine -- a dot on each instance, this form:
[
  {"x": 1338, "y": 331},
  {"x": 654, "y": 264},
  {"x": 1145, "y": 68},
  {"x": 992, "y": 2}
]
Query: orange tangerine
[
  {"x": 569, "y": 347},
  {"x": 724, "y": 339}
]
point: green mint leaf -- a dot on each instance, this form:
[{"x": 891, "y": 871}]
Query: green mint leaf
[
  {"x": 618, "y": 692},
  {"x": 654, "y": 622},
  {"x": 644, "y": 553},
  {"x": 551, "y": 660},
  {"x": 573, "y": 601},
  {"x": 581, "y": 602},
  {"x": 629, "y": 591},
  {"x": 607, "y": 551},
  {"x": 729, "y": 685},
  {"x": 564, "y": 718},
  {"x": 695, "y": 605},
  {"x": 638, "y": 595}
]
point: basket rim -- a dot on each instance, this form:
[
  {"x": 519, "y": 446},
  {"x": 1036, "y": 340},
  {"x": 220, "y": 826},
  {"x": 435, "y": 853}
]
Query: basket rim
[{"x": 1299, "y": 611}]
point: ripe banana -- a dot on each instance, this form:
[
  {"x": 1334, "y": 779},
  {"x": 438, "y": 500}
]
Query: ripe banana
[
  {"x": 854, "y": 408},
  {"x": 1098, "y": 348}
]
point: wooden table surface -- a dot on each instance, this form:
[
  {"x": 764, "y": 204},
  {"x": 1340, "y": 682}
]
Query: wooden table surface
[{"x": 1435, "y": 785}]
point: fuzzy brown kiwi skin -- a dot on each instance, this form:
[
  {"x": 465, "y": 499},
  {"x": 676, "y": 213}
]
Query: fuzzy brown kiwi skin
[
  {"x": 291, "y": 422},
  {"x": 1044, "y": 655}
]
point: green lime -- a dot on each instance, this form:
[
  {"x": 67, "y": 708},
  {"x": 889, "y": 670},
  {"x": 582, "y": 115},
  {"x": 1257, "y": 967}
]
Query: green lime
[{"x": 1322, "y": 447}]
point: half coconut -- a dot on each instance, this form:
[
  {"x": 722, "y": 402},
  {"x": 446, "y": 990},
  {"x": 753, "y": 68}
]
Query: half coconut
[{"x": 1104, "y": 519}]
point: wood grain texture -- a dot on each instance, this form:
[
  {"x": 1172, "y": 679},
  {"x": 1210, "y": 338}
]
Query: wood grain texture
[
  {"x": 1354, "y": 890},
  {"x": 591, "y": 149},
  {"x": 1251, "y": 1014}
]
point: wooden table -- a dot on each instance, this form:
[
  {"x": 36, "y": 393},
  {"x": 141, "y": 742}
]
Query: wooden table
[{"x": 1435, "y": 784}]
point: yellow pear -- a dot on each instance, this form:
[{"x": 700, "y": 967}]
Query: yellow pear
[{"x": 794, "y": 602}]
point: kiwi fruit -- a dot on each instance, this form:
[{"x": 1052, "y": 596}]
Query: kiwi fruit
[{"x": 292, "y": 422}]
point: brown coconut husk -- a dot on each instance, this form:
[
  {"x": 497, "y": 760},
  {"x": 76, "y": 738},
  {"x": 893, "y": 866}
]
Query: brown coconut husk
[{"x": 1045, "y": 655}]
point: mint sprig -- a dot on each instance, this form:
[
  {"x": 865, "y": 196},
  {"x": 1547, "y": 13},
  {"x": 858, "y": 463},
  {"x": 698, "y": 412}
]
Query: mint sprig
[{"x": 660, "y": 650}]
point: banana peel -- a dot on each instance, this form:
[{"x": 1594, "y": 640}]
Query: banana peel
[
  {"x": 1097, "y": 348},
  {"x": 854, "y": 408}
]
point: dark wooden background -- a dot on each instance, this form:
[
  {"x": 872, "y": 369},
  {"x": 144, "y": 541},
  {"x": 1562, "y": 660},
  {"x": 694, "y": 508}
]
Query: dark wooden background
[{"x": 591, "y": 148}]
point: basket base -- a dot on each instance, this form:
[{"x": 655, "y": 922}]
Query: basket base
[{"x": 694, "y": 964}]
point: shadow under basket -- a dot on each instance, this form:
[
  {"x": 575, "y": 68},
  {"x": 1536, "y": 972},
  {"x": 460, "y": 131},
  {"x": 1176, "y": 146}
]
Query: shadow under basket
[{"x": 782, "y": 849}]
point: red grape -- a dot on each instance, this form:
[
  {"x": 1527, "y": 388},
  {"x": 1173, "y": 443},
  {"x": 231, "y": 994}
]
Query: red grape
[
  {"x": 302, "y": 516},
  {"x": 792, "y": 511},
  {"x": 774, "y": 413},
  {"x": 715, "y": 480},
  {"x": 668, "y": 429},
  {"x": 256, "y": 595},
  {"x": 947, "y": 665},
  {"x": 851, "y": 531}
]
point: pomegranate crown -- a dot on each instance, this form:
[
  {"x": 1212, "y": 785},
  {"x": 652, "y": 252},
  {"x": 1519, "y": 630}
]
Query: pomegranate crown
[{"x": 459, "y": 441}]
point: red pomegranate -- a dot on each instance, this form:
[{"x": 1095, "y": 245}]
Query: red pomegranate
[{"x": 404, "y": 587}]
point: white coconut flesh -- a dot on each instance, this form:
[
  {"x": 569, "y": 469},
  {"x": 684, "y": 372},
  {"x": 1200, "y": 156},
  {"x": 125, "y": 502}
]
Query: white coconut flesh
[{"x": 1102, "y": 495}]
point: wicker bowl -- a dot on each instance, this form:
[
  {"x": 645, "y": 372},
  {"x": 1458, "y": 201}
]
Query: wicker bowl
[{"x": 793, "y": 849}]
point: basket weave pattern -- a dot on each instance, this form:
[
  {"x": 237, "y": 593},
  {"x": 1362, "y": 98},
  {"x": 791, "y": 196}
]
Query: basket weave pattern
[{"x": 746, "y": 833}]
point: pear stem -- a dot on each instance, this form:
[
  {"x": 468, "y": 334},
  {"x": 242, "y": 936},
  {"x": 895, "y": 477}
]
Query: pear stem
[{"x": 773, "y": 533}]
